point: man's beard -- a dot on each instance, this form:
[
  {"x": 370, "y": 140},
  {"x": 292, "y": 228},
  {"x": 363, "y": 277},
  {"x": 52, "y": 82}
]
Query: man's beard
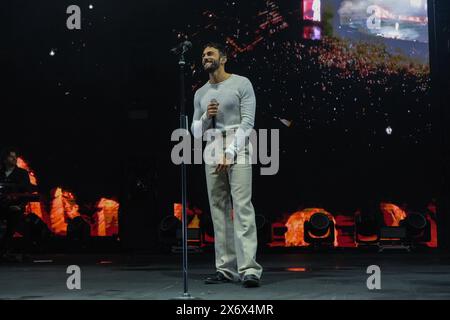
[{"x": 213, "y": 66}]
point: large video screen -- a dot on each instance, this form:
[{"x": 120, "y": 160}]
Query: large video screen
[
  {"x": 399, "y": 19},
  {"x": 349, "y": 91}
]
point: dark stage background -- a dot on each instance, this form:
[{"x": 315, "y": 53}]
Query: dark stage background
[{"x": 92, "y": 110}]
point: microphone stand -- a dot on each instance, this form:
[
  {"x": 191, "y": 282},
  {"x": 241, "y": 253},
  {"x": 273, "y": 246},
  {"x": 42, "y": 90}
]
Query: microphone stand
[{"x": 181, "y": 50}]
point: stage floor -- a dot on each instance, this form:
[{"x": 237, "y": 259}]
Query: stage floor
[{"x": 332, "y": 275}]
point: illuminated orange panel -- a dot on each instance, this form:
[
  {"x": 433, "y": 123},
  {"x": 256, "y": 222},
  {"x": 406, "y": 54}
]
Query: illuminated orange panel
[
  {"x": 178, "y": 213},
  {"x": 63, "y": 206},
  {"x": 21, "y": 163},
  {"x": 33, "y": 207},
  {"x": 106, "y": 218},
  {"x": 392, "y": 214}
]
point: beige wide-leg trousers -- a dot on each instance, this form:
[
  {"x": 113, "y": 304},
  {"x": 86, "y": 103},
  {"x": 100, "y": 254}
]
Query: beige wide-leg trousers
[{"x": 234, "y": 233}]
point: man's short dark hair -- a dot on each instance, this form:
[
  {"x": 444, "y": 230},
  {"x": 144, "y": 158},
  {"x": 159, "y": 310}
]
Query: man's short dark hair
[
  {"x": 6, "y": 152},
  {"x": 220, "y": 47}
]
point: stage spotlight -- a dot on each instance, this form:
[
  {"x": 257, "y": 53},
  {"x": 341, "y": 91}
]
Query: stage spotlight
[
  {"x": 367, "y": 227},
  {"x": 417, "y": 227},
  {"x": 319, "y": 229},
  {"x": 413, "y": 230},
  {"x": 168, "y": 230},
  {"x": 319, "y": 224}
]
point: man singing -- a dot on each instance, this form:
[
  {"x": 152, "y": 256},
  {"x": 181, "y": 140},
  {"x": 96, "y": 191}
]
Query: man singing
[{"x": 227, "y": 103}]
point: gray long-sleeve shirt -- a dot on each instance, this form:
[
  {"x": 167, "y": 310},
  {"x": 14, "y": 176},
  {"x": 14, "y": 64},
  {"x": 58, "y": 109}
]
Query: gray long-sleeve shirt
[{"x": 237, "y": 105}]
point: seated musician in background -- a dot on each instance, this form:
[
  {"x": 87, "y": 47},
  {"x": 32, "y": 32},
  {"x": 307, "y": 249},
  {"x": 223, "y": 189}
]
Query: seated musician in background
[{"x": 13, "y": 181}]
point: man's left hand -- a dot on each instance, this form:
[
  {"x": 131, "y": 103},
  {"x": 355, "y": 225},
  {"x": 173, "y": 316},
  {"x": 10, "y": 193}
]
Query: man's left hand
[{"x": 224, "y": 165}]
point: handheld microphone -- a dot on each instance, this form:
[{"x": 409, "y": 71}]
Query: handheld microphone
[{"x": 214, "y": 118}]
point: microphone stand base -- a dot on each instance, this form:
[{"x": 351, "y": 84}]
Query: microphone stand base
[{"x": 186, "y": 297}]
